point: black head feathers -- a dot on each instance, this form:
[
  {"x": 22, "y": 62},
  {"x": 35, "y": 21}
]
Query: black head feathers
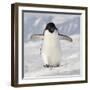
[{"x": 51, "y": 27}]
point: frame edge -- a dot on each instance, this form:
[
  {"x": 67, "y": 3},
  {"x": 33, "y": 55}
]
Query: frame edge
[
  {"x": 14, "y": 77},
  {"x": 50, "y": 6},
  {"x": 14, "y": 45}
]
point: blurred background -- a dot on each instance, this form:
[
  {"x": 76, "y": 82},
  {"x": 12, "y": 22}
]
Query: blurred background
[{"x": 35, "y": 22}]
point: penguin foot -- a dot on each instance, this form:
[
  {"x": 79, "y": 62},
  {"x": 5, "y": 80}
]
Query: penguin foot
[
  {"x": 47, "y": 66},
  {"x": 53, "y": 65},
  {"x": 57, "y": 65}
]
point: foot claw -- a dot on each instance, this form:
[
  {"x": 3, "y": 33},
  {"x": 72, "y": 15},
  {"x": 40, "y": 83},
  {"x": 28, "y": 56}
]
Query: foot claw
[{"x": 46, "y": 65}]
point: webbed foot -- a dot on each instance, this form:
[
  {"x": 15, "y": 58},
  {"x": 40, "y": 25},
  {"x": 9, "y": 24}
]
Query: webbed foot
[{"x": 46, "y": 66}]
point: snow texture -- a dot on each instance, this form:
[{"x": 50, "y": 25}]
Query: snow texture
[
  {"x": 33, "y": 62},
  {"x": 70, "y": 64}
]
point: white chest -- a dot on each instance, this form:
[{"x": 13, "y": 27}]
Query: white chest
[
  {"x": 51, "y": 50},
  {"x": 51, "y": 39}
]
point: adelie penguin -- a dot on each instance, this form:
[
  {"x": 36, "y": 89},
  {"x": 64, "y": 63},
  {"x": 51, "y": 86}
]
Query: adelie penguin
[{"x": 51, "y": 50}]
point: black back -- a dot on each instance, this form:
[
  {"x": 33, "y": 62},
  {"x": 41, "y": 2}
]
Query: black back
[{"x": 51, "y": 27}]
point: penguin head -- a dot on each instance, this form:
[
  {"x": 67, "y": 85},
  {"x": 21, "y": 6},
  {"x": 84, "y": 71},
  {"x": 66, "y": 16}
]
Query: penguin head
[{"x": 51, "y": 27}]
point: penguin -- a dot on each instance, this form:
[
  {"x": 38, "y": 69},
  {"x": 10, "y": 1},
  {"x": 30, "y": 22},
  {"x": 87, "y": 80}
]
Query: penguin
[{"x": 51, "y": 50}]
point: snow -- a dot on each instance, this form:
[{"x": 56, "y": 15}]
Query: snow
[
  {"x": 70, "y": 64},
  {"x": 67, "y": 24}
]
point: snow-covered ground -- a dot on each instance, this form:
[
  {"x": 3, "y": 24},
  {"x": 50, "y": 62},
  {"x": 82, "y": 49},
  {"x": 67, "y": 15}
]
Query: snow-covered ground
[{"x": 70, "y": 64}]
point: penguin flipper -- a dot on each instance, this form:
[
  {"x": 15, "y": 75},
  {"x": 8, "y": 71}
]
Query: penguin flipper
[
  {"x": 37, "y": 37},
  {"x": 65, "y": 37}
]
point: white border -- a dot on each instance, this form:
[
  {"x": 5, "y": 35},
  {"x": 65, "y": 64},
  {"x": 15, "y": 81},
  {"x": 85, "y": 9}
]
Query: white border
[{"x": 82, "y": 45}]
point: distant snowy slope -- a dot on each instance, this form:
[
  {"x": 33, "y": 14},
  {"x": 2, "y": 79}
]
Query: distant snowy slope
[
  {"x": 67, "y": 24},
  {"x": 70, "y": 27}
]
